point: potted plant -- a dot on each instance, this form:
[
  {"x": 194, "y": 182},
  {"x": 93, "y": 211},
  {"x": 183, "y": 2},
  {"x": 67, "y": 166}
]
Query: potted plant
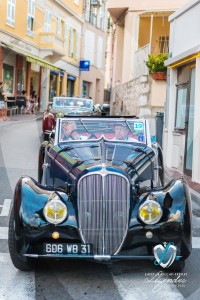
[{"x": 156, "y": 66}]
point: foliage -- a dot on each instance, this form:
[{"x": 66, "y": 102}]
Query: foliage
[{"x": 155, "y": 63}]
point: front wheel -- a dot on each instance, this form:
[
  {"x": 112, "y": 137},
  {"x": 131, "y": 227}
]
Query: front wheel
[{"x": 19, "y": 261}]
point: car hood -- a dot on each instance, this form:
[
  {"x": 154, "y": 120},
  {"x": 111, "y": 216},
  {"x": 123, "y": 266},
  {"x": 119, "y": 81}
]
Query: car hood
[{"x": 81, "y": 157}]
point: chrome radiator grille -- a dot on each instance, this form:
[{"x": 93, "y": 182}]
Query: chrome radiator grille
[{"x": 103, "y": 211}]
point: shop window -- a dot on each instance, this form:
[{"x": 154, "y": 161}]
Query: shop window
[
  {"x": 85, "y": 89},
  {"x": 11, "y": 12},
  {"x": 8, "y": 78},
  {"x": 70, "y": 88},
  {"x": 20, "y": 85},
  {"x": 181, "y": 106},
  {"x": 53, "y": 82}
]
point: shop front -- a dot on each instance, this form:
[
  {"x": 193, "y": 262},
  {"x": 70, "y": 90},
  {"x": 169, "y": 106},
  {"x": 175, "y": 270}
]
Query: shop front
[
  {"x": 8, "y": 79},
  {"x": 85, "y": 89},
  {"x": 56, "y": 84},
  {"x": 182, "y": 122},
  {"x": 70, "y": 85}
]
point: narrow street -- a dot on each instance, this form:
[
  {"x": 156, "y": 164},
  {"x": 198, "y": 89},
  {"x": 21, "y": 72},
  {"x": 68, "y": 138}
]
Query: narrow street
[{"x": 19, "y": 143}]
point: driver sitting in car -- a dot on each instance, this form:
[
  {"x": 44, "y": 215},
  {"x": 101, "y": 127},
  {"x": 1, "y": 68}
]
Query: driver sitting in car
[{"x": 69, "y": 131}]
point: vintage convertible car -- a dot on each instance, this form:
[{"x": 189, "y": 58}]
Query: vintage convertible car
[
  {"x": 65, "y": 106},
  {"x": 100, "y": 196}
]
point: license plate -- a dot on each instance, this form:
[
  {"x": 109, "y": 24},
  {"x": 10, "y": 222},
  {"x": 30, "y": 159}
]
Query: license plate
[{"x": 63, "y": 248}]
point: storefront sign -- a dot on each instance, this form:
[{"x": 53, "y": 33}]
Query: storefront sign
[
  {"x": 70, "y": 77},
  {"x": 20, "y": 44}
]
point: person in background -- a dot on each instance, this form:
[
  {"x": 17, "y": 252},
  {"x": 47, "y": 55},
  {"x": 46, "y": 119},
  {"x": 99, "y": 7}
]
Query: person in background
[
  {"x": 36, "y": 108},
  {"x": 3, "y": 103},
  {"x": 32, "y": 103},
  {"x": 26, "y": 98}
]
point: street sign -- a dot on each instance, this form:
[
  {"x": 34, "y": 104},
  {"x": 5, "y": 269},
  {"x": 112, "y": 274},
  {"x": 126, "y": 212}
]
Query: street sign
[{"x": 84, "y": 65}]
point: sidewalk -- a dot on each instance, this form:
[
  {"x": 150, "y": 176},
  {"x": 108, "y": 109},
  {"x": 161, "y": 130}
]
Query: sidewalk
[
  {"x": 21, "y": 117},
  {"x": 171, "y": 173}
]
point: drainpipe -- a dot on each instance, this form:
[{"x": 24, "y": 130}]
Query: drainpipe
[{"x": 151, "y": 28}]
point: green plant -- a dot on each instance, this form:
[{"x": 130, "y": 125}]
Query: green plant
[{"x": 155, "y": 63}]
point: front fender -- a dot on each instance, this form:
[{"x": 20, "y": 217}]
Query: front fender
[
  {"x": 176, "y": 223},
  {"x": 29, "y": 201}
]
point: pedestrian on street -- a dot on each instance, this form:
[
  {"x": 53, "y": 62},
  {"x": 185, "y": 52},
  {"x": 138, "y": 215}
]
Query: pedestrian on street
[
  {"x": 3, "y": 103},
  {"x": 26, "y": 99}
]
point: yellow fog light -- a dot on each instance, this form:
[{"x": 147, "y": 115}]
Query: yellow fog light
[
  {"x": 55, "y": 211},
  {"x": 150, "y": 212},
  {"x": 55, "y": 235}
]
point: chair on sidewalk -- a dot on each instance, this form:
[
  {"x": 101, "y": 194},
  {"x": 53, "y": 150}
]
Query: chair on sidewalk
[
  {"x": 11, "y": 105},
  {"x": 21, "y": 104}
]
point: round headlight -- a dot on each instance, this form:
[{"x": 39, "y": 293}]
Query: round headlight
[
  {"x": 59, "y": 115},
  {"x": 55, "y": 211},
  {"x": 150, "y": 212}
]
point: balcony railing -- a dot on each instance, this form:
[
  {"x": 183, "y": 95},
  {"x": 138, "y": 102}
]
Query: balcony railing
[
  {"x": 141, "y": 56},
  {"x": 95, "y": 19},
  {"x": 52, "y": 42}
]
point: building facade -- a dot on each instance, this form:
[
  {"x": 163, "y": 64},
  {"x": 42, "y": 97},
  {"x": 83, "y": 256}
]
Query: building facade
[
  {"x": 182, "y": 126},
  {"x": 93, "y": 49},
  {"x": 40, "y": 47},
  {"x": 138, "y": 29}
]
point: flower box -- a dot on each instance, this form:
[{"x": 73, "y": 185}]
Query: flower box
[{"x": 159, "y": 76}]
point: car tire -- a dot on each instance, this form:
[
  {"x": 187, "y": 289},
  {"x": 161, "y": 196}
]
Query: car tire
[
  {"x": 19, "y": 261},
  {"x": 177, "y": 266},
  {"x": 40, "y": 163}
]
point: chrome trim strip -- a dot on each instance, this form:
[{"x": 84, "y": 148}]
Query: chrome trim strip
[
  {"x": 74, "y": 256},
  {"x": 102, "y": 257},
  {"x": 32, "y": 255}
]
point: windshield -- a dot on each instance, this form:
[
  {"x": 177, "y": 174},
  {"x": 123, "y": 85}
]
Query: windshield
[
  {"x": 72, "y": 102},
  {"x": 94, "y": 129}
]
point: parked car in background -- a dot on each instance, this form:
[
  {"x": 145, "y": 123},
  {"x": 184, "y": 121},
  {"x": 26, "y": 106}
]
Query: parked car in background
[
  {"x": 97, "y": 109},
  {"x": 105, "y": 109},
  {"x": 65, "y": 106},
  {"x": 101, "y": 196}
]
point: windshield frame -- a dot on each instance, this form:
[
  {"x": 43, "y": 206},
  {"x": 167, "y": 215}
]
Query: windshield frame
[
  {"x": 107, "y": 130},
  {"x": 72, "y": 103}
]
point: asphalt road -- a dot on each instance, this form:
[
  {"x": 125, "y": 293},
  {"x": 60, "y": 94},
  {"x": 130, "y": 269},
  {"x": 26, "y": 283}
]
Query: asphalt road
[{"x": 19, "y": 144}]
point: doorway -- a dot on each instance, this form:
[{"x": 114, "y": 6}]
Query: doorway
[
  {"x": 189, "y": 122},
  {"x": 85, "y": 89}
]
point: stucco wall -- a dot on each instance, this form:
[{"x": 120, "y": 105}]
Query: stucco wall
[{"x": 134, "y": 98}]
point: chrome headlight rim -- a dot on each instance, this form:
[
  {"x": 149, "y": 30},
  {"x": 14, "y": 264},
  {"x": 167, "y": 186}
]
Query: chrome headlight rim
[
  {"x": 54, "y": 201},
  {"x": 60, "y": 115},
  {"x": 150, "y": 202}
]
